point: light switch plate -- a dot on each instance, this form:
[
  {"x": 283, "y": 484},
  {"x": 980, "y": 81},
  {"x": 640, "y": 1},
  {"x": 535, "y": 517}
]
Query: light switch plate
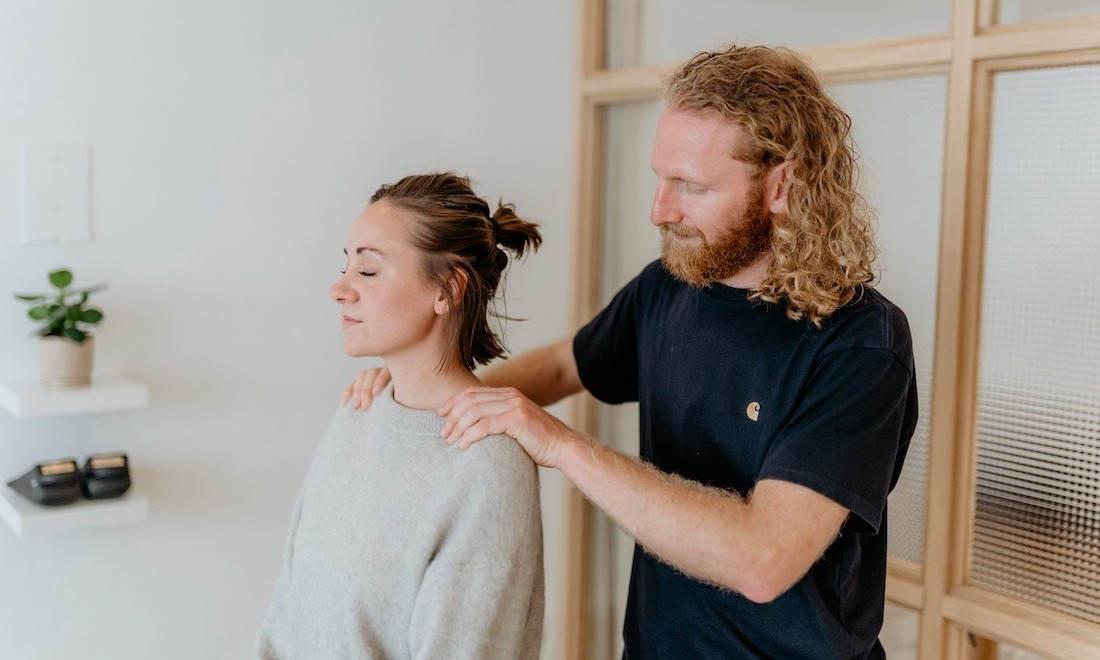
[{"x": 55, "y": 186}]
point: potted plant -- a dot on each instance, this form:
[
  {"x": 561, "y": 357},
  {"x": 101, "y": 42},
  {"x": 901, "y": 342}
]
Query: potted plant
[{"x": 65, "y": 347}]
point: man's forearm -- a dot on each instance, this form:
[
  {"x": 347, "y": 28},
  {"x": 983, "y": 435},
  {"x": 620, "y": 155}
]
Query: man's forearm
[
  {"x": 545, "y": 375},
  {"x": 757, "y": 546},
  {"x": 665, "y": 515}
]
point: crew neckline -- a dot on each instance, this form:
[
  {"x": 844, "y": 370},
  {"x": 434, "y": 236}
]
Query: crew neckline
[
  {"x": 397, "y": 417},
  {"x": 723, "y": 292}
]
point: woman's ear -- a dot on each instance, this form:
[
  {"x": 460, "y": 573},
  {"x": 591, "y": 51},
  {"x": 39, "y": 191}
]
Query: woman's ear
[
  {"x": 456, "y": 286},
  {"x": 442, "y": 305},
  {"x": 777, "y": 183}
]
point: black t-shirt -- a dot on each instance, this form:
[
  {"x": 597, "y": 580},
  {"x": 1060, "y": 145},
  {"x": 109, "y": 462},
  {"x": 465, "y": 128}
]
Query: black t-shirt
[{"x": 732, "y": 391}]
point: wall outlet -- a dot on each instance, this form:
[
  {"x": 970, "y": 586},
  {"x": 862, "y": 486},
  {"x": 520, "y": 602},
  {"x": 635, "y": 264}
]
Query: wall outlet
[{"x": 55, "y": 192}]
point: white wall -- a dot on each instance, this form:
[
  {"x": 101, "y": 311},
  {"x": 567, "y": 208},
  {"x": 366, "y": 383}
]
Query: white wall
[{"x": 233, "y": 143}]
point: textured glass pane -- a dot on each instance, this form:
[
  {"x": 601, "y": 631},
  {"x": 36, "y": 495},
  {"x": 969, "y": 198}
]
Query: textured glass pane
[
  {"x": 899, "y": 632},
  {"x": 629, "y": 243},
  {"x": 1037, "y": 519},
  {"x": 1009, "y": 652},
  {"x": 899, "y": 638},
  {"x": 653, "y": 32},
  {"x": 1020, "y": 11},
  {"x": 903, "y": 172}
]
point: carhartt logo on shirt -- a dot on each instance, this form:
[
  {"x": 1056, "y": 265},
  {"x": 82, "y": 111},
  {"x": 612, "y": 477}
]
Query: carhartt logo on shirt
[{"x": 753, "y": 411}]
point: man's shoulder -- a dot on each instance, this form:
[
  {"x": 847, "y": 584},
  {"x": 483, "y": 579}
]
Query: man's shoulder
[
  {"x": 870, "y": 320},
  {"x": 872, "y": 304},
  {"x": 656, "y": 285}
]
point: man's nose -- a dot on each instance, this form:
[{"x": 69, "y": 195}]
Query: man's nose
[{"x": 664, "y": 210}]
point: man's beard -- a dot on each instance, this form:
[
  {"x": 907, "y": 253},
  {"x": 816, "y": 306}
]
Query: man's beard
[{"x": 738, "y": 247}]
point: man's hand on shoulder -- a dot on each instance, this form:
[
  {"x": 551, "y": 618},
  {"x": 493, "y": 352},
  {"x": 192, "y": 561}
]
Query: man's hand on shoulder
[
  {"x": 478, "y": 412},
  {"x": 367, "y": 385}
]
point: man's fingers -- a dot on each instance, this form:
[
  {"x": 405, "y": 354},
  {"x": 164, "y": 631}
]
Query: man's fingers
[
  {"x": 458, "y": 406},
  {"x": 481, "y": 429},
  {"x": 483, "y": 411},
  {"x": 367, "y": 385},
  {"x": 462, "y": 418},
  {"x": 472, "y": 394},
  {"x": 464, "y": 424}
]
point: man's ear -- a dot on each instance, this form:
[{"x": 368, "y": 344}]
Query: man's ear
[
  {"x": 777, "y": 183},
  {"x": 456, "y": 285}
]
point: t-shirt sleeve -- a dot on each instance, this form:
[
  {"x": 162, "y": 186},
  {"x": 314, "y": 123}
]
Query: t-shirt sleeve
[
  {"x": 849, "y": 433},
  {"x": 606, "y": 349}
]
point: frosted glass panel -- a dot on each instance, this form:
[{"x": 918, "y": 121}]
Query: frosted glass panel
[
  {"x": 899, "y": 638},
  {"x": 653, "y": 32},
  {"x": 1010, "y": 652},
  {"x": 1037, "y": 517},
  {"x": 629, "y": 243},
  {"x": 898, "y": 126},
  {"x": 899, "y": 632},
  {"x": 1020, "y": 11}
]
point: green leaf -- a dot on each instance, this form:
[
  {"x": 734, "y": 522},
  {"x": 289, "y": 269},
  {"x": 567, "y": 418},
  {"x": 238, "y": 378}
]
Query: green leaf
[
  {"x": 76, "y": 335},
  {"x": 61, "y": 278},
  {"x": 30, "y": 298},
  {"x": 91, "y": 289},
  {"x": 38, "y": 313},
  {"x": 91, "y": 316},
  {"x": 73, "y": 314}
]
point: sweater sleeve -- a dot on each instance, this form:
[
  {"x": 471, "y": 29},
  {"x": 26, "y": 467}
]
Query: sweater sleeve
[
  {"x": 274, "y": 621},
  {"x": 482, "y": 595}
]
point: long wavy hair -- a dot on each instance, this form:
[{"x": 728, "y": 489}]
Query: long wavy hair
[
  {"x": 459, "y": 236},
  {"x": 823, "y": 249}
]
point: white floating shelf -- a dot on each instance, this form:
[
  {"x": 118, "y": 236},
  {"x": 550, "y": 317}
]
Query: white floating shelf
[
  {"x": 27, "y": 399},
  {"x": 29, "y": 519}
]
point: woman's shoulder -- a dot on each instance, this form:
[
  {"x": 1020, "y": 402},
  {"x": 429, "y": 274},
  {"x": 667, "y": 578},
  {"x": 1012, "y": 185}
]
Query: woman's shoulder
[
  {"x": 498, "y": 450},
  {"x": 498, "y": 461}
]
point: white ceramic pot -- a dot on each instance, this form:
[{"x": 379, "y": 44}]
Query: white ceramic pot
[{"x": 65, "y": 364}]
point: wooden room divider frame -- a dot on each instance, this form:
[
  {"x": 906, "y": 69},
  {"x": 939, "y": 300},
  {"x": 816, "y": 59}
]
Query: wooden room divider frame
[{"x": 956, "y": 620}]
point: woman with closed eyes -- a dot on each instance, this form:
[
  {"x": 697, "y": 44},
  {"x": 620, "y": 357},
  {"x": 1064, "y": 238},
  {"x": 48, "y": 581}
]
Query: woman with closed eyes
[{"x": 400, "y": 545}]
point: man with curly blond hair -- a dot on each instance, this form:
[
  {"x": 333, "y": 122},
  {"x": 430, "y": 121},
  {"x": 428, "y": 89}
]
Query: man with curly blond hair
[{"x": 776, "y": 386}]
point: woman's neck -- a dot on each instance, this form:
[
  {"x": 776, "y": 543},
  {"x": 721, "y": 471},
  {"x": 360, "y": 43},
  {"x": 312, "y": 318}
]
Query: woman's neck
[{"x": 423, "y": 388}]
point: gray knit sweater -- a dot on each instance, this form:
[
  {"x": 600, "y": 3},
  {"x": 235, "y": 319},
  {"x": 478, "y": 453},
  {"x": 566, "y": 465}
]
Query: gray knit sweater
[{"x": 402, "y": 546}]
